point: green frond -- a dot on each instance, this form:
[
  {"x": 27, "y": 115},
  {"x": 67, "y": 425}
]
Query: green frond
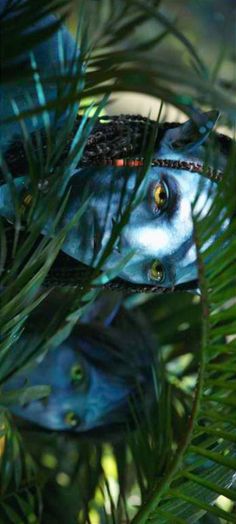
[{"x": 20, "y": 496}]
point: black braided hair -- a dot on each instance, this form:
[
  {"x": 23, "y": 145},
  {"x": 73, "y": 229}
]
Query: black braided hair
[
  {"x": 121, "y": 137},
  {"x": 112, "y": 137}
]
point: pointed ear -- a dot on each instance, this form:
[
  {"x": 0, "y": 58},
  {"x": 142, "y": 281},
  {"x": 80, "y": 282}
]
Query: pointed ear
[{"x": 192, "y": 133}]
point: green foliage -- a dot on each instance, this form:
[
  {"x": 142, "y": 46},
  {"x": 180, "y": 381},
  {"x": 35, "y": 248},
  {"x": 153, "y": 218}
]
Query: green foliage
[
  {"x": 182, "y": 456},
  {"x": 20, "y": 489},
  {"x": 15, "y": 19}
]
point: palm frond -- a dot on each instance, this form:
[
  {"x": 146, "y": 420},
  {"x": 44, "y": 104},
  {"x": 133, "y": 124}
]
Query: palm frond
[{"x": 20, "y": 494}]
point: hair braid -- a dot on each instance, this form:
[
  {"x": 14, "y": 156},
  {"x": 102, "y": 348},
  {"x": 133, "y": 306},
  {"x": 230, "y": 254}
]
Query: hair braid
[
  {"x": 119, "y": 136},
  {"x": 114, "y": 137}
]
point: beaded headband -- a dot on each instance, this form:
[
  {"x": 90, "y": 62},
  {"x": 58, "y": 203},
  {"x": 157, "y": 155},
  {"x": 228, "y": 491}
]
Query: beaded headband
[{"x": 194, "y": 167}]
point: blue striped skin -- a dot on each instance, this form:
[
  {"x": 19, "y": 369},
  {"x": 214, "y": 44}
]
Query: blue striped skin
[{"x": 150, "y": 235}]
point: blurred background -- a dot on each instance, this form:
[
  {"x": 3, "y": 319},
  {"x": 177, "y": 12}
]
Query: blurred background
[{"x": 210, "y": 26}]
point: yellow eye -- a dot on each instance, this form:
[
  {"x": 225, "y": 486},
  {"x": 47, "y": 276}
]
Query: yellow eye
[
  {"x": 157, "y": 271},
  {"x": 71, "y": 419},
  {"x": 161, "y": 195},
  {"x": 77, "y": 373}
]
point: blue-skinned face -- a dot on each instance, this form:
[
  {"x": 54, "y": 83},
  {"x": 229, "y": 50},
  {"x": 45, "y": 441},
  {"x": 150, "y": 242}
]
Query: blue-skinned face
[
  {"x": 159, "y": 232},
  {"x": 82, "y": 398},
  {"x": 92, "y": 381}
]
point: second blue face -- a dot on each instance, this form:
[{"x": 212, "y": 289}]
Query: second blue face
[
  {"x": 82, "y": 397},
  {"x": 94, "y": 376}
]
